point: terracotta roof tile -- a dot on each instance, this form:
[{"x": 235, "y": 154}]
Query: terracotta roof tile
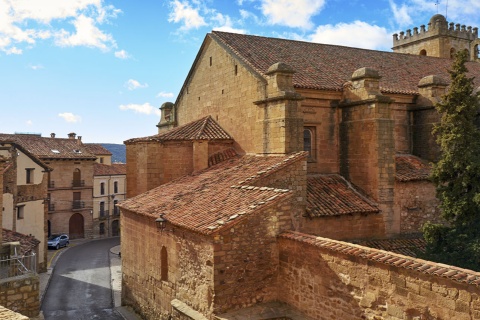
[
  {"x": 411, "y": 168},
  {"x": 328, "y": 67},
  {"x": 100, "y": 169},
  {"x": 27, "y": 243},
  {"x": 407, "y": 246},
  {"x": 387, "y": 258},
  {"x": 97, "y": 149},
  {"x": 49, "y": 148},
  {"x": 203, "y": 129},
  {"x": 214, "y": 198},
  {"x": 332, "y": 195}
]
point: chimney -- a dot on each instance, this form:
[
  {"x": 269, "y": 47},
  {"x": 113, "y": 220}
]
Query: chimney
[
  {"x": 79, "y": 140},
  {"x": 72, "y": 135},
  {"x": 52, "y": 135}
]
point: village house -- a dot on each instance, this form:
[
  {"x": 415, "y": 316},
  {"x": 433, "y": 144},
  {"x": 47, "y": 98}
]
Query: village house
[
  {"x": 108, "y": 190},
  {"x": 70, "y": 182},
  {"x": 275, "y": 153}
]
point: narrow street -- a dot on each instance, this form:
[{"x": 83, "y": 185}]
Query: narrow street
[{"x": 80, "y": 286}]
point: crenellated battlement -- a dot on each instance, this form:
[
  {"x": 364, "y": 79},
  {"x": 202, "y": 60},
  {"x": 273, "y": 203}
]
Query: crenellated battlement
[{"x": 438, "y": 26}]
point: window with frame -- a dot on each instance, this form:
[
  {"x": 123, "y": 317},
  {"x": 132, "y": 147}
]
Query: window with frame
[
  {"x": 20, "y": 212},
  {"x": 102, "y": 188},
  {"x": 29, "y": 175},
  {"x": 309, "y": 142},
  {"x": 164, "y": 264},
  {"x": 102, "y": 209},
  {"x": 115, "y": 187}
]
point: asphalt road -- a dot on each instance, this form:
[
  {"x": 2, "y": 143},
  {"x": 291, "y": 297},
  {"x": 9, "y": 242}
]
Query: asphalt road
[{"x": 80, "y": 287}]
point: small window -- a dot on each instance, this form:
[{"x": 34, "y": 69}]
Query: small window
[
  {"x": 101, "y": 159},
  {"x": 423, "y": 52},
  {"x": 164, "y": 264},
  {"x": 20, "y": 212},
  {"x": 102, "y": 188},
  {"x": 29, "y": 173},
  {"x": 309, "y": 142},
  {"x": 115, "y": 187}
]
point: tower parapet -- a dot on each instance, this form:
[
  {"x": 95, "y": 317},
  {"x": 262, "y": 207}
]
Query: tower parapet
[{"x": 439, "y": 39}]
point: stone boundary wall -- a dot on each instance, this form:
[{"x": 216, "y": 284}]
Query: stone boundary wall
[
  {"x": 329, "y": 279},
  {"x": 21, "y": 294}
]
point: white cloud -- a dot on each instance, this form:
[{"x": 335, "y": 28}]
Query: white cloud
[
  {"x": 132, "y": 84},
  {"x": 122, "y": 54},
  {"x": 184, "y": 13},
  {"x": 145, "y": 108},
  {"x": 24, "y": 22},
  {"x": 13, "y": 50},
  {"x": 357, "y": 34},
  {"x": 165, "y": 95},
  {"x": 70, "y": 117},
  {"x": 29, "y": 122},
  {"x": 295, "y": 14},
  {"x": 87, "y": 34},
  {"x": 401, "y": 14},
  {"x": 36, "y": 67},
  {"x": 225, "y": 24}
]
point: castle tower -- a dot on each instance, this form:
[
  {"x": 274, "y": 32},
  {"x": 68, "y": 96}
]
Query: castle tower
[{"x": 440, "y": 39}]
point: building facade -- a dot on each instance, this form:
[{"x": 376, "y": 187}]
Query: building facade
[{"x": 275, "y": 153}]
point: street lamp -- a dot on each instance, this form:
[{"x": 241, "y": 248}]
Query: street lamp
[{"x": 161, "y": 222}]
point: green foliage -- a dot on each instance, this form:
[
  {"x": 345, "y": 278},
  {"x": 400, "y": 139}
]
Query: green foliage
[{"x": 457, "y": 174}]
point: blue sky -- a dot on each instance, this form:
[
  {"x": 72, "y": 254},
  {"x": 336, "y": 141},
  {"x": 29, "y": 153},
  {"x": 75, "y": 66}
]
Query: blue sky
[{"x": 102, "y": 69}]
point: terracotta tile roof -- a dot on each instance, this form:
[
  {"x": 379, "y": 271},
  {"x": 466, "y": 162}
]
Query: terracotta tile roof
[
  {"x": 203, "y": 129},
  {"x": 332, "y": 195},
  {"x": 387, "y": 258},
  {"x": 328, "y": 67},
  {"x": 215, "y": 198},
  {"x": 100, "y": 169},
  {"x": 27, "y": 243},
  {"x": 411, "y": 246},
  {"x": 411, "y": 168},
  {"x": 49, "y": 148},
  {"x": 97, "y": 149}
]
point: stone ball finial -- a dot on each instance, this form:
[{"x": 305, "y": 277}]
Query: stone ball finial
[
  {"x": 280, "y": 67},
  {"x": 167, "y": 105},
  {"x": 432, "y": 80},
  {"x": 366, "y": 72},
  {"x": 438, "y": 17}
]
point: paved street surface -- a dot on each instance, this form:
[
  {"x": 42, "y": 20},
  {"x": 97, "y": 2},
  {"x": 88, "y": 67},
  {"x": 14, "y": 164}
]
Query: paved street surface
[{"x": 80, "y": 286}]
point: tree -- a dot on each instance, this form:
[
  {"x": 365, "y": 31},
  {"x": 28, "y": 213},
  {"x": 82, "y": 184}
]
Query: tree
[{"x": 456, "y": 175}]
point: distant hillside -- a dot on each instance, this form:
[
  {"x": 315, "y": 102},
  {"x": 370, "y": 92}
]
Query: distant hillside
[{"x": 118, "y": 151}]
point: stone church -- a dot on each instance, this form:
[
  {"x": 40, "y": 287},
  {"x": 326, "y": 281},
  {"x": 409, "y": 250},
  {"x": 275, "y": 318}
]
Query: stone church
[{"x": 275, "y": 153}]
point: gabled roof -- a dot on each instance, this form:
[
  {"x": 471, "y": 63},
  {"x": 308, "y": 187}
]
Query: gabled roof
[
  {"x": 332, "y": 195},
  {"x": 115, "y": 169},
  {"x": 97, "y": 149},
  {"x": 49, "y": 148},
  {"x": 27, "y": 243},
  {"x": 203, "y": 129},
  {"x": 217, "y": 197},
  {"x": 328, "y": 67},
  {"x": 411, "y": 168}
]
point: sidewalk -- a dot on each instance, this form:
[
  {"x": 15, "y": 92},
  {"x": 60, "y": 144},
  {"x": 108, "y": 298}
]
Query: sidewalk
[{"x": 115, "y": 273}]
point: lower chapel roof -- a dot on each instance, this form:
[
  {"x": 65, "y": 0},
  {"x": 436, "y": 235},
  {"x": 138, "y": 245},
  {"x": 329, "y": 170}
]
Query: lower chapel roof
[
  {"x": 216, "y": 197},
  {"x": 329, "y": 67}
]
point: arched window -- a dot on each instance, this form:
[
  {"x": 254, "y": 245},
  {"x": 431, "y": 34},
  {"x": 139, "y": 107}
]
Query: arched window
[
  {"x": 423, "y": 52},
  {"x": 77, "y": 178},
  {"x": 164, "y": 264},
  {"x": 477, "y": 53},
  {"x": 309, "y": 142}
]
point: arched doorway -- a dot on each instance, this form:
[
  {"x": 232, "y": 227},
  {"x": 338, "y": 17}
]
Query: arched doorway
[
  {"x": 76, "y": 226},
  {"x": 115, "y": 228}
]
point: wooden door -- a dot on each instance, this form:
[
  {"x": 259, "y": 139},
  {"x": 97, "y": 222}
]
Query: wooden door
[{"x": 76, "y": 226}]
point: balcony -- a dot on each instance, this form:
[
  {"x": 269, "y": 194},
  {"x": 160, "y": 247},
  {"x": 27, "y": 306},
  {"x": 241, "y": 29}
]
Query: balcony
[
  {"x": 13, "y": 264},
  {"x": 77, "y": 204},
  {"x": 103, "y": 214},
  {"x": 116, "y": 211},
  {"x": 78, "y": 183}
]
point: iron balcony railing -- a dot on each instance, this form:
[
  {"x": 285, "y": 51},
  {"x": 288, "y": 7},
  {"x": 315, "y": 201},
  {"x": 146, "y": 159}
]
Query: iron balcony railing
[
  {"x": 78, "y": 183},
  {"x": 103, "y": 214},
  {"x": 77, "y": 204},
  {"x": 116, "y": 211},
  {"x": 18, "y": 265}
]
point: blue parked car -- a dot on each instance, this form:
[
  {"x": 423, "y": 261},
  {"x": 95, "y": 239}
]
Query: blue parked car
[{"x": 58, "y": 240}]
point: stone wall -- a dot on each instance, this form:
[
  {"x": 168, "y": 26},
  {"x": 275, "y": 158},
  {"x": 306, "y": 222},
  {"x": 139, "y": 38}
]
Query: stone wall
[
  {"x": 416, "y": 203},
  {"x": 423, "y": 142},
  {"x": 328, "y": 279},
  {"x": 21, "y": 294},
  {"x": 246, "y": 259}
]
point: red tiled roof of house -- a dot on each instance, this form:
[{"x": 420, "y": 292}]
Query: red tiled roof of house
[
  {"x": 216, "y": 197},
  {"x": 407, "y": 246},
  {"x": 27, "y": 243},
  {"x": 328, "y": 67},
  {"x": 387, "y": 258},
  {"x": 49, "y": 148},
  {"x": 332, "y": 195},
  {"x": 411, "y": 168},
  {"x": 97, "y": 149},
  {"x": 203, "y": 129},
  {"x": 100, "y": 169}
]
